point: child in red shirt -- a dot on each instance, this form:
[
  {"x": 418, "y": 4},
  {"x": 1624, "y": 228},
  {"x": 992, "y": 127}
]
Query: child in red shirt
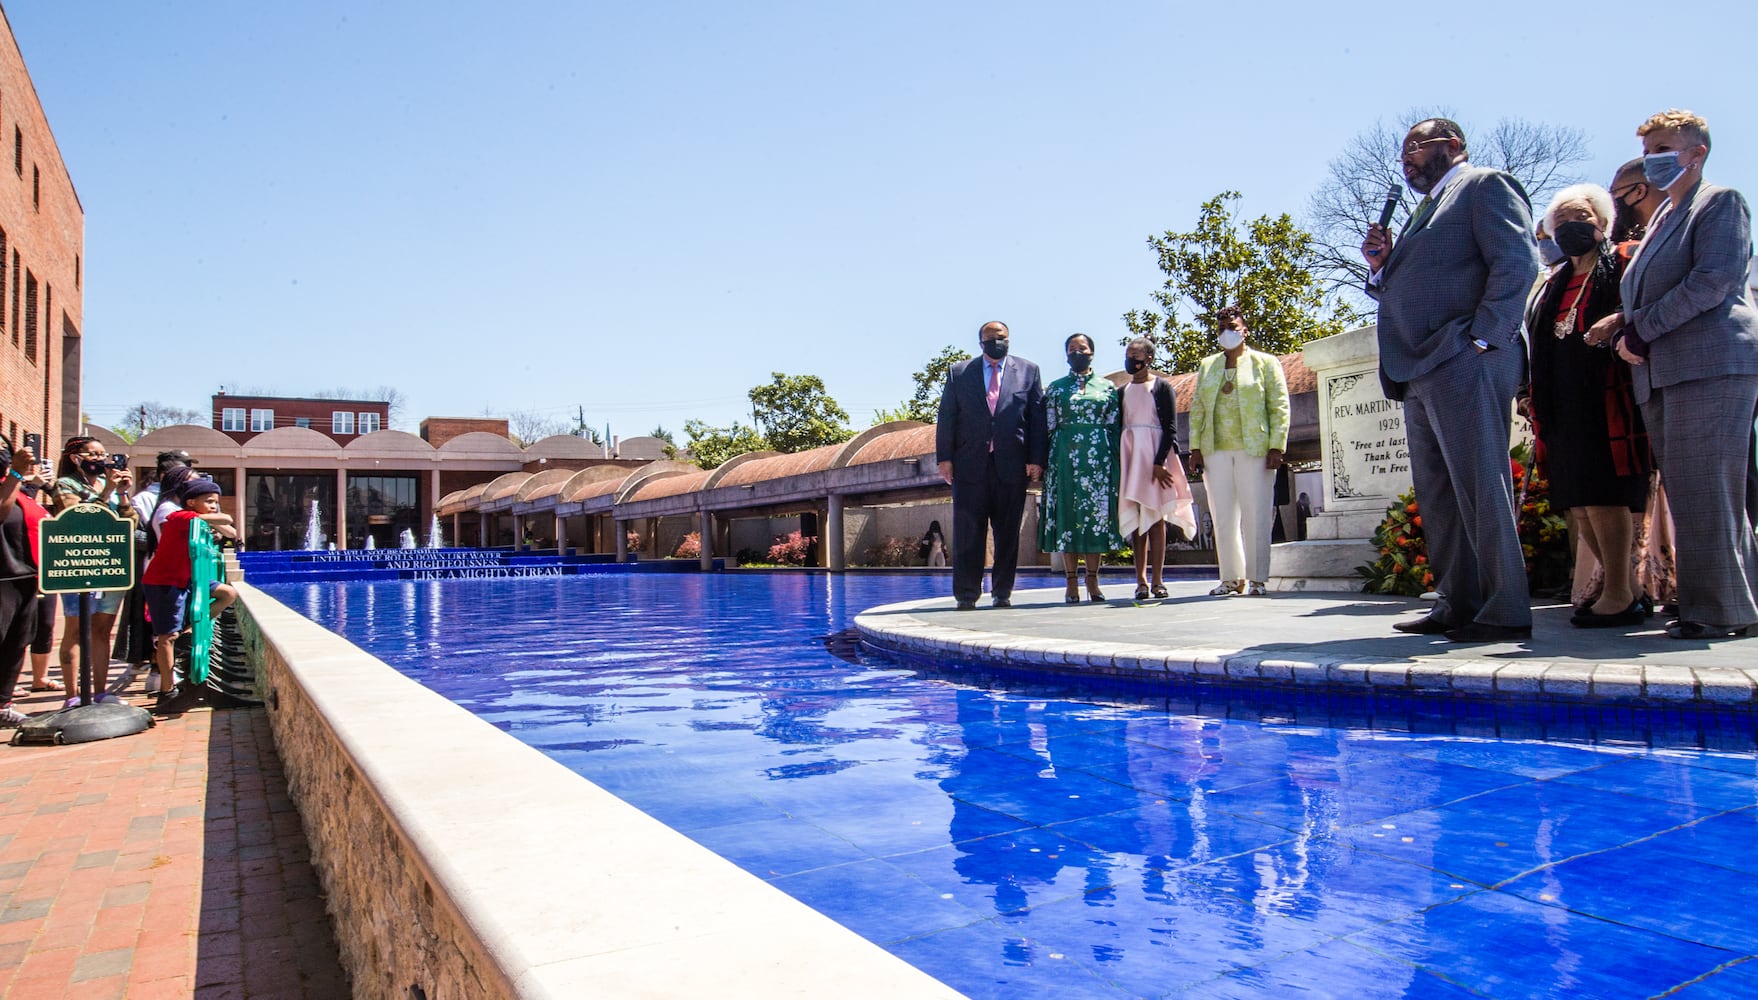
[{"x": 166, "y": 581}]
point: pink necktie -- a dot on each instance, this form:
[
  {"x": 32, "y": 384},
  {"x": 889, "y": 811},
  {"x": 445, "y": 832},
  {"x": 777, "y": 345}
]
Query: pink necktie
[{"x": 994, "y": 398}]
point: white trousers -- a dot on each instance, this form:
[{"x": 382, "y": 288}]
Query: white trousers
[{"x": 1240, "y": 494}]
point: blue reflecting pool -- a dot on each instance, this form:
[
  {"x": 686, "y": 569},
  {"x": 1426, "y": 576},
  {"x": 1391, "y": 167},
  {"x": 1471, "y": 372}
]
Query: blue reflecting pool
[{"x": 1035, "y": 841}]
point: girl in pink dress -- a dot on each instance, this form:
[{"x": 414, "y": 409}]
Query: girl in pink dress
[{"x": 1152, "y": 488}]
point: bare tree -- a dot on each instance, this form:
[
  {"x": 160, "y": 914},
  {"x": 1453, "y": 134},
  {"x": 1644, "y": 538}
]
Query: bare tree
[
  {"x": 1540, "y": 156},
  {"x": 145, "y": 417},
  {"x": 526, "y": 427}
]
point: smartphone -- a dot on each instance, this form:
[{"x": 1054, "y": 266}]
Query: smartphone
[
  {"x": 119, "y": 462},
  {"x": 34, "y": 442}
]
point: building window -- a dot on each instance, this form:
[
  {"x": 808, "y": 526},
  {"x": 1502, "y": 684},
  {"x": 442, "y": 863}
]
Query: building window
[
  {"x": 75, "y": 264},
  {"x": 36, "y": 188},
  {"x": 30, "y": 317},
  {"x": 16, "y": 298},
  {"x": 3, "y": 283},
  {"x": 342, "y": 422},
  {"x": 368, "y": 423},
  {"x": 17, "y": 150},
  {"x": 302, "y": 421},
  {"x": 262, "y": 420},
  {"x": 232, "y": 418}
]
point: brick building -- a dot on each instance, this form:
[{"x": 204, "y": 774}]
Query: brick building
[
  {"x": 438, "y": 430},
  {"x": 42, "y": 241},
  {"x": 341, "y": 420}
]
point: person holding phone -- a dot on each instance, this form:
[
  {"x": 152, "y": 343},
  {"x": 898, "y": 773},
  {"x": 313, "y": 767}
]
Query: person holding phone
[{"x": 89, "y": 475}]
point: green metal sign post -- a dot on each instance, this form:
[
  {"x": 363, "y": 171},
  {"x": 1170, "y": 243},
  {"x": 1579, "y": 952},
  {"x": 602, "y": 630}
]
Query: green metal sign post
[{"x": 83, "y": 549}]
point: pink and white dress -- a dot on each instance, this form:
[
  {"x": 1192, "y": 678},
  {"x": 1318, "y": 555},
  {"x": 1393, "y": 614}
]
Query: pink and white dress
[{"x": 1142, "y": 502}]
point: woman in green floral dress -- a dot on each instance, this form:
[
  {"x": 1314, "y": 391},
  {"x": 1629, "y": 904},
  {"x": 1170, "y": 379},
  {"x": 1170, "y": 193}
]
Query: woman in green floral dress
[{"x": 1077, "y": 515}]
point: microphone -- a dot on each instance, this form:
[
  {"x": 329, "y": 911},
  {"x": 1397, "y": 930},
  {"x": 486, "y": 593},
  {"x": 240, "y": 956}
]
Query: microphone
[{"x": 1394, "y": 195}]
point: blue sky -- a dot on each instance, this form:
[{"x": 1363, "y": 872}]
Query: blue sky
[{"x": 644, "y": 209}]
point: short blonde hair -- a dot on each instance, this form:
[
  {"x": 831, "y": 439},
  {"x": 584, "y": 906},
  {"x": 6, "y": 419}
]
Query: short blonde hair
[
  {"x": 1687, "y": 123},
  {"x": 1597, "y": 198}
]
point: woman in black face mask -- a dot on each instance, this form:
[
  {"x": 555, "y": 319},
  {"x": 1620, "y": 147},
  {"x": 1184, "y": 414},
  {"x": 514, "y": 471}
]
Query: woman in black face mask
[
  {"x": 87, "y": 475},
  {"x": 1592, "y": 444},
  {"x": 1077, "y": 513}
]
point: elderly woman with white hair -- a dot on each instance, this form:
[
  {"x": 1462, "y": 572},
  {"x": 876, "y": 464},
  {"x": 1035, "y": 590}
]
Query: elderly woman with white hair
[{"x": 1592, "y": 443}]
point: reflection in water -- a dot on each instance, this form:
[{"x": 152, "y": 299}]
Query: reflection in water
[{"x": 1106, "y": 841}]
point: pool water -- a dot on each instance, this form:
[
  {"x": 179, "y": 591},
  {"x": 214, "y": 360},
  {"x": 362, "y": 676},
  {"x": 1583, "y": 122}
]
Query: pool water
[{"x": 1019, "y": 841}]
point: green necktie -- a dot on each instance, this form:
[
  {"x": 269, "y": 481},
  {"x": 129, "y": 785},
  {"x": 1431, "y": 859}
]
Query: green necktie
[{"x": 1418, "y": 217}]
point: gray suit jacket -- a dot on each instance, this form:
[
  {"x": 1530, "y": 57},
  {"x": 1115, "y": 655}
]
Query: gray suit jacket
[
  {"x": 1462, "y": 275},
  {"x": 1685, "y": 292}
]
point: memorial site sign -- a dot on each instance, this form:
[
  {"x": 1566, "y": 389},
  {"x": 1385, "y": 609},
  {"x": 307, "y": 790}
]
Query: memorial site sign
[{"x": 85, "y": 547}]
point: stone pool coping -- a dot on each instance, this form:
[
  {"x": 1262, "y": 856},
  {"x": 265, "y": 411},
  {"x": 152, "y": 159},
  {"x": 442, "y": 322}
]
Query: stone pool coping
[
  {"x": 1327, "y": 641},
  {"x": 462, "y": 861}
]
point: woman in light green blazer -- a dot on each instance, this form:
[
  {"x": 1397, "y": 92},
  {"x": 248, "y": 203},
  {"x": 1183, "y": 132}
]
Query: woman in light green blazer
[{"x": 1238, "y": 431}]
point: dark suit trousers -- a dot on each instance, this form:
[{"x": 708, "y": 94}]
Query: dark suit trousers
[
  {"x": 1457, "y": 418},
  {"x": 980, "y": 504}
]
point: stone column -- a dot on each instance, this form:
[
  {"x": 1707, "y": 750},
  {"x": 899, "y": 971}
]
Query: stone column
[
  {"x": 621, "y": 530},
  {"x": 705, "y": 532},
  {"x": 238, "y": 478},
  {"x": 561, "y": 535},
  {"x": 835, "y": 556},
  {"x": 482, "y": 539},
  {"x": 341, "y": 508},
  {"x": 457, "y": 524}
]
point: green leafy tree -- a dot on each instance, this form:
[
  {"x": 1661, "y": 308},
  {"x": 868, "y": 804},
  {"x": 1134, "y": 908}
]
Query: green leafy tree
[
  {"x": 1262, "y": 267},
  {"x": 795, "y": 413},
  {"x": 709, "y": 446},
  {"x": 929, "y": 379}
]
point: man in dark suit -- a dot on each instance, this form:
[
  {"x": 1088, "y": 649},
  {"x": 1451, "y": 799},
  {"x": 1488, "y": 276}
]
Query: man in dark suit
[
  {"x": 1452, "y": 290},
  {"x": 990, "y": 440}
]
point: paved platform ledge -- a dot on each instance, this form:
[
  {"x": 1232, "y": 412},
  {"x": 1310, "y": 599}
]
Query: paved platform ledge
[
  {"x": 460, "y": 862},
  {"x": 1324, "y": 640}
]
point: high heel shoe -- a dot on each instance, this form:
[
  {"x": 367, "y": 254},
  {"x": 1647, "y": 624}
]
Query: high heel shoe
[
  {"x": 1160, "y": 591},
  {"x": 1093, "y": 593},
  {"x": 1073, "y": 594},
  {"x": 1142, "y": 592}
]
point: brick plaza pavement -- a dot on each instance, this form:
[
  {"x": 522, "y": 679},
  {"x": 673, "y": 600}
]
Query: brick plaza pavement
[{"x": 167, "y": 864}]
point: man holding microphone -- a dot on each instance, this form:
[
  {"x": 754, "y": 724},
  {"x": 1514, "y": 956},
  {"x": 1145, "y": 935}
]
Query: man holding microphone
[{"x": 1452, "y": 288}]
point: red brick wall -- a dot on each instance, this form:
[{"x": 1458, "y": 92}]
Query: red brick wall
[
  {"x": 438, "y": 430},
  {"x": 47, "y": 232},
  {"x": 289, "y": 410}
]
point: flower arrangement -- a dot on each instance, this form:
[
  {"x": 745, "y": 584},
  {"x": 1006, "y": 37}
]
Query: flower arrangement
[
  {"x": 690, "y": 547},
  {"x": 791, "y": 549},
  {"x": 1403, "y": 567}
]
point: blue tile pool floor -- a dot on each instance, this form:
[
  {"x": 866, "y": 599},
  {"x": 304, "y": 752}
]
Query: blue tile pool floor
[{"x": 1049, "y": 841}]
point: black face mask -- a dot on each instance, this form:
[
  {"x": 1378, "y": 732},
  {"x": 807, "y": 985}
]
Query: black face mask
[
  {"x": 93, "y": 466},
  {"x": 1133, "y": 365},
  {"x": 1576, "y": 238},
  {"x": 995, "y": 349},
  {"x": 1079, "y": 362}
]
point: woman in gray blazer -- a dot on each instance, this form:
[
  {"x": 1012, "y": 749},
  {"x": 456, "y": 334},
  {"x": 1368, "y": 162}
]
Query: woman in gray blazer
[{"x": 1689, "y": 329}]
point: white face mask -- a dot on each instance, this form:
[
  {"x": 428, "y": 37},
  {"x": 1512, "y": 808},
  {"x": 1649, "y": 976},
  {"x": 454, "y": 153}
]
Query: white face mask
[{"x": 1231, "y": 339}]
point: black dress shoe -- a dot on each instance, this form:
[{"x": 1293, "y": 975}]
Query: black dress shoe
[
  {"x": 967, "y": 605},
  {"x": 1698, "y": 630},
  {"x": 1003, "y": 602},
  {"x": 1426, "y": 625},
  {"x": 1635, "y": 614},
  {"x": 1485, "y": 632}
]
